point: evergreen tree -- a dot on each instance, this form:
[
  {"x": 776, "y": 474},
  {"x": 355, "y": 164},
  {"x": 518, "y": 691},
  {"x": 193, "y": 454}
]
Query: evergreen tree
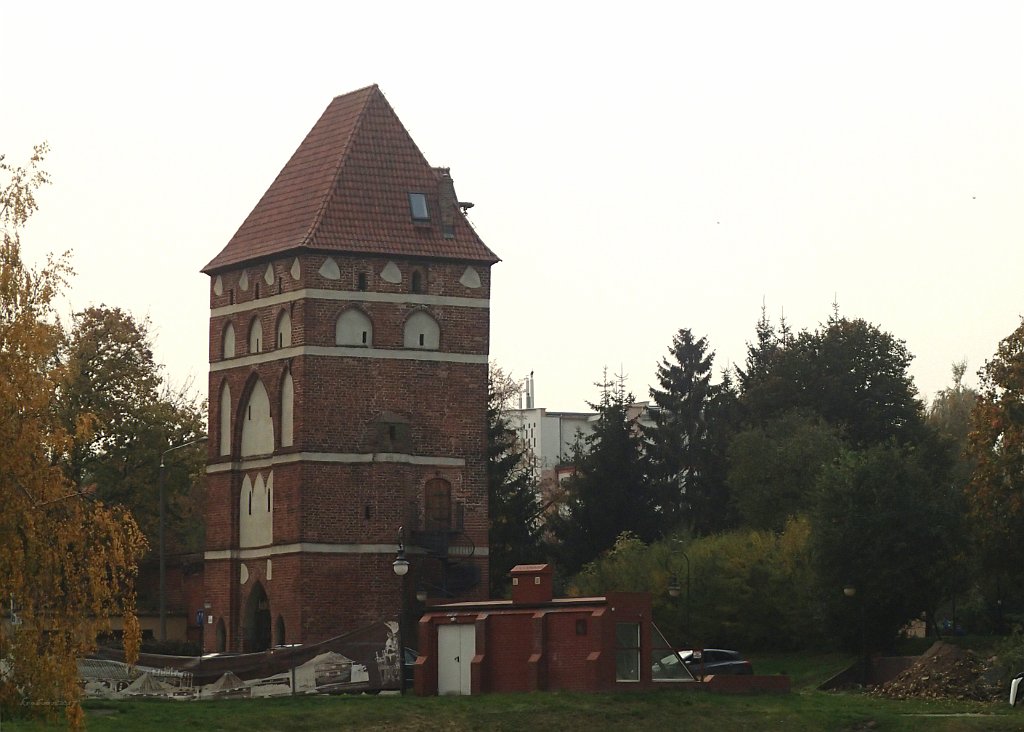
[
  {"x": 678, "y": 442},
  {"x": 610, "y": 491},
  {"x": 515, "y": 535},
  {"x": 851, "y": 373}
]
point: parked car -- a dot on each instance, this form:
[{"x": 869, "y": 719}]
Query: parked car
[{"x": 715, "y": 661}]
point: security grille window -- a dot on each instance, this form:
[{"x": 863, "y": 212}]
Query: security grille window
[
  {"x": 627, "y": 651},
  {"x": 418, "y": 207}
]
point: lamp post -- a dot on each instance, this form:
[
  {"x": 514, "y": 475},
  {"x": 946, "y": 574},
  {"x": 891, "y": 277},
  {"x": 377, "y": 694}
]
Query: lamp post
[
  {"x": 401, "y": 567},
  {"x": 674, "y": 590},
  {"x": 850, "y": 591},
  {"x": 163, "y": 557}
]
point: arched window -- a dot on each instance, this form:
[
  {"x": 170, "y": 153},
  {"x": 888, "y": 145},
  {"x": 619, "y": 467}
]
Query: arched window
[
  {"x": 354, "y": 329},
  {"x": 225, "y": 419},
  {"x": 417, "y": 281},
  {"x": 287, "y": 409},
  {"x": 257, "y": 424},
  {"x": 256, "y": 511},
  {"x": 422, "y": 331},
  {"x": 284, "y": 330},
  {"x": 438, "y": 505},
  {"x": 227, "y": 344},
  {"x": 256, "y": 336}
]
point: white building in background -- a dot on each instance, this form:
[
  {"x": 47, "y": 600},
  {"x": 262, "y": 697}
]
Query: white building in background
[{"x": 548, "y": 437}]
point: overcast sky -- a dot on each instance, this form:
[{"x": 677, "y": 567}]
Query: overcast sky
[{"x": 638, "y": 167}]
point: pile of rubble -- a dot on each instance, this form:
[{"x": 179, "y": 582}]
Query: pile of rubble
[{"x": 945, "y": 672}]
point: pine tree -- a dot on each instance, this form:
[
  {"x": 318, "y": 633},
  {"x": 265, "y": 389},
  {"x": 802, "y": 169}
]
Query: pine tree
[
  {"x": 678, "y": 441},
  {"x": 515, "y": 535},
  {"x": 610, "y": 491}
]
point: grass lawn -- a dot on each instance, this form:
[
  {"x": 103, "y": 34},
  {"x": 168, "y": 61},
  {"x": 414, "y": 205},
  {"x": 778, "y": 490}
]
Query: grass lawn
[{"x": 697, "y": 711}]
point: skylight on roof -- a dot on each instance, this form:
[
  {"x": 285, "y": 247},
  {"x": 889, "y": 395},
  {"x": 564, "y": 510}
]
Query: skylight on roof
[{"x": 418, "y": 206}]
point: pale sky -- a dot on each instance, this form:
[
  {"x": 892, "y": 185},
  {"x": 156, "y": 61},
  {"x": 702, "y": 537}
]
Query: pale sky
[{"x": 639, "y": 167}]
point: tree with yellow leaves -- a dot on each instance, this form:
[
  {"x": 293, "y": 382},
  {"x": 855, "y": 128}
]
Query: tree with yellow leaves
[
  {"x": 67, "y": 561},
  {"x": 996, "y": 443}
]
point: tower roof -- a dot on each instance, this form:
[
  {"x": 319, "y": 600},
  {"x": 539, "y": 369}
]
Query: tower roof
[{"x": 347, "y": 189}]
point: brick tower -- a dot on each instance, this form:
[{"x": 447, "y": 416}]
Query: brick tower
[{"x": 349, "y": 331}]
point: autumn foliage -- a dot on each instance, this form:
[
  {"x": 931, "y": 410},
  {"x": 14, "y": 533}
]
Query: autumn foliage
[
  {"x": 67, "y": 561},
  {"x": 996, "y": 492}
]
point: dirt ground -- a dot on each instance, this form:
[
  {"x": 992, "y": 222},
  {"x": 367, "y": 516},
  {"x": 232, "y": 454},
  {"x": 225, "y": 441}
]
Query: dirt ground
[{"x": 946, "y": 671}]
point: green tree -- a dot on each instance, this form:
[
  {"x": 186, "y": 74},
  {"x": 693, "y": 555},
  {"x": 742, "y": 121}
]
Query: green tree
[
  {"x": 610, "y": 491},
  {"x": 773, "y": 469},
  {"x": 850, "y": 372},
  {"x": 113, "y": 383},
  {"x": 752, "y": 589},
  {"x": 515, "y": 535},
  {"x": 677, "y": 441},
  {"x": 67, "y": 562},
  {"x": 949, "y": 418},
  {"x": 880, "y": 525}
]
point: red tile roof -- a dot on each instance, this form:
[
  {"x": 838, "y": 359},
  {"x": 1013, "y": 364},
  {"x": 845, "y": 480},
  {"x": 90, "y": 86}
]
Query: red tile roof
[{"x": 346, "y": 189}]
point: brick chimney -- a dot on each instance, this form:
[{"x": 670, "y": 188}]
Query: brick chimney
[{"x": 531, "y": 584}]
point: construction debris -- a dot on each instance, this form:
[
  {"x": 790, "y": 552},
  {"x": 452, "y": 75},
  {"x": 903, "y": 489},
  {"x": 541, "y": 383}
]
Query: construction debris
[{"x": 945, "y": 671}]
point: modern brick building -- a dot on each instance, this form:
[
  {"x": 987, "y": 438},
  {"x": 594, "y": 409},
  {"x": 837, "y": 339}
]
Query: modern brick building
[
  {"x": 349, "y": 331},
  {"x": 535, "y": 642}
]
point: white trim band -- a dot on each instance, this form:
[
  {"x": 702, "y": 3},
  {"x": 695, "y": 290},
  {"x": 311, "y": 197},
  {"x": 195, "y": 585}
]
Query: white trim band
[
  {"x": 266, "y": 552},
  {"x": 410, "y": 354},
  {"x": 312, "y": 293},
  {"x": 335, "y": 457}
]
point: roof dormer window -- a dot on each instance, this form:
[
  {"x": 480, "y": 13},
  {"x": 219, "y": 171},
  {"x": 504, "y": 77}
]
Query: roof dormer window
[{"x": 418, "y": 207}]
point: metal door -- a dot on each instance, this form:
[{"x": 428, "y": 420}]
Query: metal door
[{"x": 456, "y": 646}]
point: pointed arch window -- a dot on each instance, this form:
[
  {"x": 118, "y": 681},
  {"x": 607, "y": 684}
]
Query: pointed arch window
[
  {"x": 284, "y": 330},
  {"x": 354, "y": 328},
  {"x": 225, "y": 419},
  {"x": 287, "y": 410},
  {"x": 422, "y": 331},
  {"x": 227, "y": 342},
  {"x": 257, "y": 424},
  {"x": 438, "y": 505},
  {"x": 256, "y": 336}
]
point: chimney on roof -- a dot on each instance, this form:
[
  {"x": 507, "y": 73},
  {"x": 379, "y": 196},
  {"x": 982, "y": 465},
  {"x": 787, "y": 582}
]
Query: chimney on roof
[
  {"x": 531, "y": 584},
  {"x": 447, "y": 201}
]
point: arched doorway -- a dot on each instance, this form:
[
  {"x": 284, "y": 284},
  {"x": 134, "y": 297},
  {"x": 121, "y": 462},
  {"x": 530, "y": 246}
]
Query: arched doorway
[{"x": 257, "y": 620}]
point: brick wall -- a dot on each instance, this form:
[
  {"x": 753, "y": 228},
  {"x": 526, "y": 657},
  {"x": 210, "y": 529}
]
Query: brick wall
[{"x": 338, "y": 403}]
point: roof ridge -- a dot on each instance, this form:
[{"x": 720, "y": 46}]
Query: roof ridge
[{"x": 318, "y": 217}]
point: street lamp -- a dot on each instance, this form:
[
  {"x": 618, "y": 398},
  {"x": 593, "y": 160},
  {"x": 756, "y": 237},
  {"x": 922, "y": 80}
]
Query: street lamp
[
  {"x": 850, "y": 591},
  {"x": 401, "y": 567},
  {"x": 674, "y": 590},
  {"x": 163, "y": 558}
]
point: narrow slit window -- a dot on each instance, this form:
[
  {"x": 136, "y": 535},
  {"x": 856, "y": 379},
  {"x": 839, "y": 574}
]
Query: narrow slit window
[
  {"x": 422, "y": 337},
  {"x": 418, "y": 207},
  {"x": 361, "y": 283}
]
